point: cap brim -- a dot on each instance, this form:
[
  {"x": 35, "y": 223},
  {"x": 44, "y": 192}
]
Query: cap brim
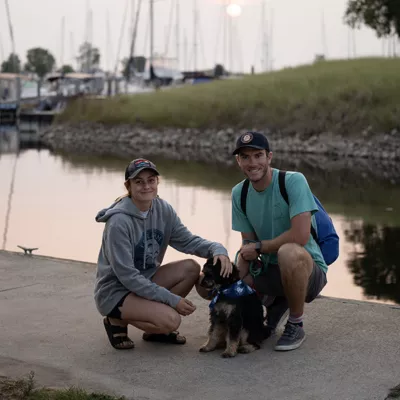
[
  {"x": 237, "y": 150},
  {"x": 138, "y": 171}
]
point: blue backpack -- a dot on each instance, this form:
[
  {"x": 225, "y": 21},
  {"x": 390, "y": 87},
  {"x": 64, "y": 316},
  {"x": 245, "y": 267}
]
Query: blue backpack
[{"x": 327, "y": 238}]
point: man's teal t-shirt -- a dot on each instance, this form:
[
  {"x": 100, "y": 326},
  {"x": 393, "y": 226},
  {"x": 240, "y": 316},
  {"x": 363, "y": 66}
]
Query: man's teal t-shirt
[{"x": 268, "y": 215}]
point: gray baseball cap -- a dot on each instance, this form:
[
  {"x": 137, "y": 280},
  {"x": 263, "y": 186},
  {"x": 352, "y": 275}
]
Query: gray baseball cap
[{"x": 137, "y": 166}]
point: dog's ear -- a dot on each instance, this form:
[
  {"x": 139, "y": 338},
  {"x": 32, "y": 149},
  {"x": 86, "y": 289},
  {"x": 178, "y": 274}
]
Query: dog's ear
[
  {"x": 235, "y": 272},
  {"x": 207, "y": 265},
  {"x": 216, "y": 269}
]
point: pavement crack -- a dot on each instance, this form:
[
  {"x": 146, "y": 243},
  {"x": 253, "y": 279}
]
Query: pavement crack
[{"x": 18, "y": 287}]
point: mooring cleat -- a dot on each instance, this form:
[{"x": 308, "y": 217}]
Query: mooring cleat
[{"x": 28, "y": 250}]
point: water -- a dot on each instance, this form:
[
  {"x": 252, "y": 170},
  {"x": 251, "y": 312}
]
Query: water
[{"x": 49, "y": 201}]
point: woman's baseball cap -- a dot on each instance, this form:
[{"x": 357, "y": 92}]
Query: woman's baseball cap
[{"x": 137, "y": 166}]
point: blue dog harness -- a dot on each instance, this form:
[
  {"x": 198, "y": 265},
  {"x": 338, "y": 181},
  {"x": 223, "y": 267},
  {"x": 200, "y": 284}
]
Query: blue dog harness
[{"x": 238, "y": 289}]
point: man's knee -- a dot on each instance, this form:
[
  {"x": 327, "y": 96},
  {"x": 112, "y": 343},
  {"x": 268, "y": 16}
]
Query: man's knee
[{"x": 293, "y": 257}]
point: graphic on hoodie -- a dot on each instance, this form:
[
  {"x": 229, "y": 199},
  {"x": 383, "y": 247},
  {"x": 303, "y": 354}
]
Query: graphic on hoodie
[{"x": 148, "y": 248}]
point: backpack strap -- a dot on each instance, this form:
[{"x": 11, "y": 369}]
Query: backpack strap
[
  {"x": 243, "y": 195},
  {"x": 282, "y": 188}
]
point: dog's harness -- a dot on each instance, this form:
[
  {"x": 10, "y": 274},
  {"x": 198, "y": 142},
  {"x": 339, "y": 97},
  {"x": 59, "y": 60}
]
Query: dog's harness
[{"x": 238, "y": 289}]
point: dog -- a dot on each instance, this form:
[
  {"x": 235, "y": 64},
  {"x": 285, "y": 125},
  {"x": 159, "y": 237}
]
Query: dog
[{"x": 236, "y": 313}]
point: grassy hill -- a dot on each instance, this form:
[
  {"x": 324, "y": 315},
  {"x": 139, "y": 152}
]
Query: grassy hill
[{"x": 342, "y": 97}]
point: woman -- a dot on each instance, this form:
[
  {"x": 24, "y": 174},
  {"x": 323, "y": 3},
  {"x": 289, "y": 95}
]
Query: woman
[{"x": 131, "y": 285}]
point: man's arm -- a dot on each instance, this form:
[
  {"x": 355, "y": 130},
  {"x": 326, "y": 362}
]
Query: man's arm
[
  {"x": 302, "y": 206},
  {"x": 251, "y": 236},
  {"x": 299, "y": 233}
]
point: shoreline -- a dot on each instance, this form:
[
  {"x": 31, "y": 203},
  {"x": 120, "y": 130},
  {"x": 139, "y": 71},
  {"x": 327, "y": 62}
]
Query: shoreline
[
  {"x": 101, "y": 139},
  {"x": 374, "y": 155}
]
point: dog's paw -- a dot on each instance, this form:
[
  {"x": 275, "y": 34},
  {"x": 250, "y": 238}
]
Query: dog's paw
[
  {"x": 228, "y": 354},
  {"x": 248, "y": 348},
  {"x": 206, "y": 349}
]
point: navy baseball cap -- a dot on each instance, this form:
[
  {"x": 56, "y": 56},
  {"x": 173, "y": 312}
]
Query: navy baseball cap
[
  {"x": 255, "y": 140},
  {"x": 137, "y": 166}
]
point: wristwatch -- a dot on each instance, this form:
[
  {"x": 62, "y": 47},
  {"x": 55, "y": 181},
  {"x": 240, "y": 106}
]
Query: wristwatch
[{"x": 258, "y": 247}]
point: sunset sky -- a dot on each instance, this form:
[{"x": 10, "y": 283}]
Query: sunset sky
[{"x": 299, "y": 30}]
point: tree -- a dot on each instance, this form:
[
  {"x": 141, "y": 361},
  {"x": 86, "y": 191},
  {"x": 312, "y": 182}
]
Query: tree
[
  {"x": 88, "y": 58},
  {"x": 219, "y": 70},
  {"x": 12, "y": 64},
  {"x": 40, "y": 61},
  {"x": 375, "y": 264},
  {"x": 138, "y": 64},
  {"x": 66, "y": 69},
  {"x": 383, "y": 16}
]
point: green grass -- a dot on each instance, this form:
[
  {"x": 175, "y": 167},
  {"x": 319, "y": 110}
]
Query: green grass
[
  {"x": 24, "y": 389},
  {"x": 337, "y": 96}
]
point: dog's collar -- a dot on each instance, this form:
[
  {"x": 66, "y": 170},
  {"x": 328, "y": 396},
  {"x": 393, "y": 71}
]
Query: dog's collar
[{"x": 237, "y": 289}]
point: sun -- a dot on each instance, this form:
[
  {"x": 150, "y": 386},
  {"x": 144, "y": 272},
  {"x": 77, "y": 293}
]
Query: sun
[{"x": 234, "y": 10}]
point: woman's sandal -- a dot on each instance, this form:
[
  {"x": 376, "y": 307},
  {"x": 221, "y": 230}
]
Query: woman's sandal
[
  {"x": 172, "y": 337},
  {"x": 121, "y": 341}
]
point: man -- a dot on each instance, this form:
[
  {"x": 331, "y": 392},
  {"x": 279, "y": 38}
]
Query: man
[{"x": 293, "y": 270}]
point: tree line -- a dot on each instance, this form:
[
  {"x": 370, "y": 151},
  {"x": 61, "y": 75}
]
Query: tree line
[{"x": 41, "y": 61}]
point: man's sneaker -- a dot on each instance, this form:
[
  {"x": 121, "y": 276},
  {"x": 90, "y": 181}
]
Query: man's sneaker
[{"x": 292, "y": 338}]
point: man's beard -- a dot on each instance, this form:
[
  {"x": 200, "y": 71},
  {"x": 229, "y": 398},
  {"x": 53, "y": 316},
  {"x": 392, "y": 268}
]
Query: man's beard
[{"x": 265, "y": 172}]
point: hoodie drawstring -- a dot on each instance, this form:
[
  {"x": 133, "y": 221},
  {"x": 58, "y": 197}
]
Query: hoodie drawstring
[{"x": 145, "y": 244}]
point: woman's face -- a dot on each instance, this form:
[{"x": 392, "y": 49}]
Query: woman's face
[{"x": 144, "y": 187}]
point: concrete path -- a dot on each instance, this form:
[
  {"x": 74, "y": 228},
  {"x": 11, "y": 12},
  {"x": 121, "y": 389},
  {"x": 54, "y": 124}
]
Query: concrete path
[{"x": 49, "y": 324}]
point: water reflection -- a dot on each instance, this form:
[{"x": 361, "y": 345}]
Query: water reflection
[
  {"x": 374, "y": 261},
  {"x": 49, "y": 200}
]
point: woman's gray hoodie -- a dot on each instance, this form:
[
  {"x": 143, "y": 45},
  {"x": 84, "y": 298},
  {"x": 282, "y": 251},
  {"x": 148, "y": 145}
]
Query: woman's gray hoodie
[{"x": 133, "y": 247}]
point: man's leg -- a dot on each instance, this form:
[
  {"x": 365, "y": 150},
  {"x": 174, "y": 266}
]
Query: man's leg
[{"x": 296, "y": 267}]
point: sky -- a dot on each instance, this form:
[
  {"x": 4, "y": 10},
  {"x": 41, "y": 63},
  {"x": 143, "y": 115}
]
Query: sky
[{"x": 295, "y": 31}]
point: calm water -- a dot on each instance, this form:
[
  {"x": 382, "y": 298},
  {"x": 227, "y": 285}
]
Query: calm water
[{"x": 50, "y": 200}]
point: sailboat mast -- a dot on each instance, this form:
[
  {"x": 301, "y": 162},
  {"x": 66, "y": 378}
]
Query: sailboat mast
[
  {"x": 177, "y": 28},
  {"x": 62, "y": 41},
  {"x": 151, "y": 32},
  {"x": 11, "y": 31},
  {"x": 1, "y": 51},
  {"x": 194, "y": 35}
]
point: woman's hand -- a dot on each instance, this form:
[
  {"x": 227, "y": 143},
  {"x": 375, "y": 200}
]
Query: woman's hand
[
  {"x": 226, "y": 265},
  {"x": 185, "y": 307}
]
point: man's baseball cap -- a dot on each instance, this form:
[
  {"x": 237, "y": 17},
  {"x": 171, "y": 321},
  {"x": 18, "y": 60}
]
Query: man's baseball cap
[
  {"x": 137, "y": 166},
  {"x": 255, "y": 140}
]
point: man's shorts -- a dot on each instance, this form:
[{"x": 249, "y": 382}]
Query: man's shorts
[{"x": 270, "y": 282}]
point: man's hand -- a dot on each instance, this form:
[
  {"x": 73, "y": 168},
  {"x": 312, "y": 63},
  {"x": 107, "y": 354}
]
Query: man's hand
[
  {"x": 249, "y": 252},
  {"x": 226, "y": 265},
  {"x": 185, "y": 307}
]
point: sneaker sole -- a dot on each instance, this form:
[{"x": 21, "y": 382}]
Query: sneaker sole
[
  {"x": 290, "y": 347},
  {"x": 282, "y": 321}
]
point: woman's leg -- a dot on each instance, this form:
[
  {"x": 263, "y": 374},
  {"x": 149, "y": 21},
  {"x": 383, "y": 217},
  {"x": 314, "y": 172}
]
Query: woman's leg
[
  {"x": 179, "y": 277},
  {"x": 156, "y": 318}
]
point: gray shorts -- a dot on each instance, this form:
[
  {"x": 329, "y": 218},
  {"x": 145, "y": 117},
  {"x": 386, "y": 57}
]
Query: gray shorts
[{"x": 270, "y": 282}]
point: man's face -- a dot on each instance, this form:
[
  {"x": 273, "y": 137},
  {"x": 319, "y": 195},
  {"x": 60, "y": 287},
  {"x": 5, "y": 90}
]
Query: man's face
[{"x": 254, "y": 163}]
